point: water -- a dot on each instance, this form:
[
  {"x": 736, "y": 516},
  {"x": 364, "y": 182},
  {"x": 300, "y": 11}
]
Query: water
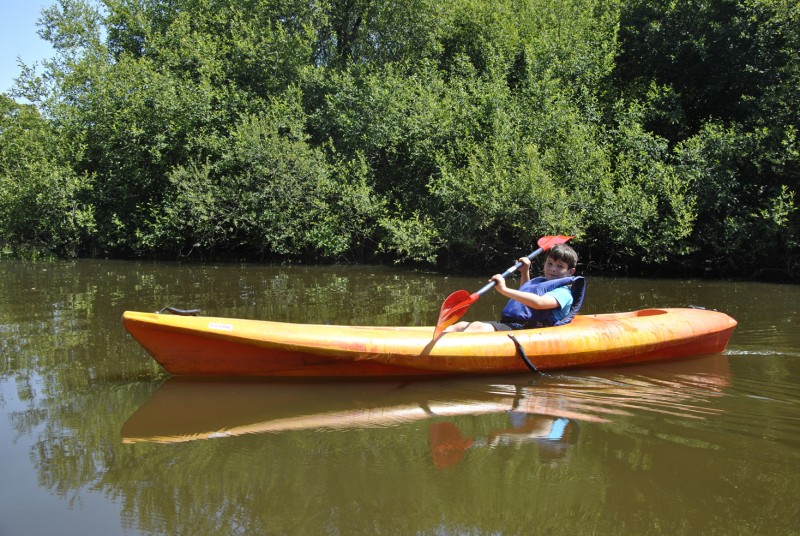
[{"x": 95, "y": 439}]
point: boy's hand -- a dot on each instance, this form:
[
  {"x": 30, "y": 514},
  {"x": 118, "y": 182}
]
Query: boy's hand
[
  {"x": 500, "y": 281},
  {"x": 526, "y": 263}
]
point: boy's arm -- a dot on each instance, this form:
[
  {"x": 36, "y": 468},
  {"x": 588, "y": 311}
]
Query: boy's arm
[
  {"x": 524, "y": 270},
  {"x": 534, "y": 301}
]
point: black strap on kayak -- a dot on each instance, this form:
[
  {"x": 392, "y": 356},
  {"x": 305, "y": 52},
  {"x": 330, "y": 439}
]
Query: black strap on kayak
[
  {"x": 522, "y": 354},
  {"x": 180, "y": 312}
]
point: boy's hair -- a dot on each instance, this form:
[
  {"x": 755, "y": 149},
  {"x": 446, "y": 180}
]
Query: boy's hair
[{"x": 563, "y": 252}]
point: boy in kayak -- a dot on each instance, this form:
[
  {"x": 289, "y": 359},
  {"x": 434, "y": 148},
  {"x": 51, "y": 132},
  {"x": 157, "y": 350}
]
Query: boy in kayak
[{"x": 540, "y": 302}]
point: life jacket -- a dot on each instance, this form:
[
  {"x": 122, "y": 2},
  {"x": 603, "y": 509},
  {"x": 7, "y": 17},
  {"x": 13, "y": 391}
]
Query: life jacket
[{"x": 517, "y": 312}]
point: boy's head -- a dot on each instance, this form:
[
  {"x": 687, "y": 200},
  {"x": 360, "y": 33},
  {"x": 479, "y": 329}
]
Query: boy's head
[{"x": 562, "y": 253}]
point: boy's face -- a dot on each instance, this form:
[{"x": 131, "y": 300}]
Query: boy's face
[{"x": 554, "y": 269}]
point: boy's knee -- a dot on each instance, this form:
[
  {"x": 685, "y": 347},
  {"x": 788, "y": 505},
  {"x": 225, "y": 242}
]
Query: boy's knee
[{"x": 478, "y": 327}]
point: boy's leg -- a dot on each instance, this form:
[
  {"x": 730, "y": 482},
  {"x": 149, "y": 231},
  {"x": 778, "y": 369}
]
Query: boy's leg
[{"x": 474, "y": 327}]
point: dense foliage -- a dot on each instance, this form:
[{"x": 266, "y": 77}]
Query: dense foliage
[{"x": 663, "y": 134}]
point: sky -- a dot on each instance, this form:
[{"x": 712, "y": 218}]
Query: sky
[{"x": 18, "y": 38}]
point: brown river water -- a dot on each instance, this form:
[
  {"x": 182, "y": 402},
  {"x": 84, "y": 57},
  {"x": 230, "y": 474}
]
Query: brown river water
[{"x": 96, "y": 439}]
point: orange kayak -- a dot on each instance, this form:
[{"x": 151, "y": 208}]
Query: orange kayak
[{"x": 210, "y": 346}]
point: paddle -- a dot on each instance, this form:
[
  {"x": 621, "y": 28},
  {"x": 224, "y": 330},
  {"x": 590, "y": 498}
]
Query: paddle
[{"x": 456, "y": 305}]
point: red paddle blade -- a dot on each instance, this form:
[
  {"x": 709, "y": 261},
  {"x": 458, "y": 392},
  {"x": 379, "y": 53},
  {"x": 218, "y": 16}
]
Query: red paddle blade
[
  {"x": 546, "y": 242},
  {"x": 453, "y": 308}
]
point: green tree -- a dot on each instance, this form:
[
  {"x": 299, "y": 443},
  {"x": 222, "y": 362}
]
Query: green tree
[
  {"x": 42, "y": 208},
  {"x": 270, "y": 193},
  {"x": 721, "y": 82},
  {"x": 444, "y": 133}
]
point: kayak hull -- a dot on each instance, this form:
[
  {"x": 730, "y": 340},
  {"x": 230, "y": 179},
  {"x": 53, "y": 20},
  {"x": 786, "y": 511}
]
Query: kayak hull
[{"x": 226, "y": 347}]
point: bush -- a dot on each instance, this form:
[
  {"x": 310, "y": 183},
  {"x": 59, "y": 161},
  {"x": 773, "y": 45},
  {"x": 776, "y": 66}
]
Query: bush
[
  {"x": 270, "y": 194},
  {"x": 41, "y": 197}
]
